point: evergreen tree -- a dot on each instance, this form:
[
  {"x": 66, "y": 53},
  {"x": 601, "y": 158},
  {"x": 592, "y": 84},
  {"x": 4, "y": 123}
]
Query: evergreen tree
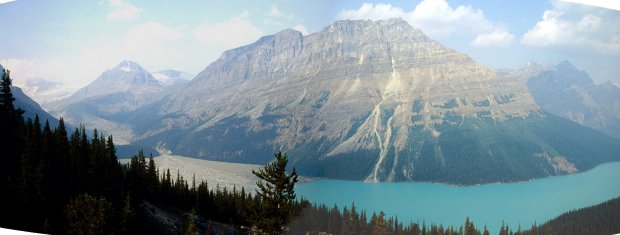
[
  {"x": 191, "y": 228},
  {"x": 127, "y": 216},
  {"x": 277, "y": 192},
  {"x": 88, "y": 215},
  {"x": 379, "y": 225}
]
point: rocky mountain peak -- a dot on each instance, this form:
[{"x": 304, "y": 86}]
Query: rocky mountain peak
[
  {"x": 288, "y": 35},
  {"x": 566, "y": 65},
  {"x": 129, "y": 66}
]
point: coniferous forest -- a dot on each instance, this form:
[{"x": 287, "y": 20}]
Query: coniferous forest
[{"x": 58, "y": 182}]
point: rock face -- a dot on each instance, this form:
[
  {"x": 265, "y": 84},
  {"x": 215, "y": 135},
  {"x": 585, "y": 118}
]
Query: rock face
[
  {"x": 367, "y": 100},
  {"x": 570, "y": 93}
]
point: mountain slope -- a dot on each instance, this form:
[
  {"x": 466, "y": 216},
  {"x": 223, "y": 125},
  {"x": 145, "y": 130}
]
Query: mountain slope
[
  {"x": 570, "y": 93},
  {"x": 31, "y": 108},
  {"x": 368, "y": 100}
]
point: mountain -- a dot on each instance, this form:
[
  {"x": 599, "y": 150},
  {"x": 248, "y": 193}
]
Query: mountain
[
  {"x": 368, "y": 100},
  {"x": 570, "y": 93},
  {"x": 102, "y": 103},
  {"x": 122, "y": 88}
]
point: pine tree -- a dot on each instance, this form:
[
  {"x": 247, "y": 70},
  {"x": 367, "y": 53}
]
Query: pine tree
[
  {"x": 277, "y": 192},
  {"x": 191, "y": 228},
  {"x": 88, "y": 215},
  {"x": 470, "y": 229},
  {"x": 379, "y": 225}
]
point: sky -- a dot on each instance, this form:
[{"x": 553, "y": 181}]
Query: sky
[{"x": 73, "y": 42}]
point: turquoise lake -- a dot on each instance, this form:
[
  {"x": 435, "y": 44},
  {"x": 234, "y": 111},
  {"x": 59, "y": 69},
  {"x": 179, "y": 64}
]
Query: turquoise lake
[{"x": 516, "y": 204}]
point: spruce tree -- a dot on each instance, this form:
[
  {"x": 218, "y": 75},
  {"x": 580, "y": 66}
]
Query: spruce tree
[
  {"x": 276, "y": 189},
  {"x": 11, "y": 144}
]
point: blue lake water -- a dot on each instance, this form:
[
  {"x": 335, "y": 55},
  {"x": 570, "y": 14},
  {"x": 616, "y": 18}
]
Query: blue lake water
[{"x": 516, "y": 204}]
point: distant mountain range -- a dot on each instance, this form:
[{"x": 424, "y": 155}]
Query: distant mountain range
[
  {"x": 118, "y": 90},
  {"x": 570, "y": 93},
  {"x": 362, "y": 100}
]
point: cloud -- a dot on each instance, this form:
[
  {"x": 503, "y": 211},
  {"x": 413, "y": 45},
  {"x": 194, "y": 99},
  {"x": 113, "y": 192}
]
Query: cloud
[
  {"x": 122, "y": 11},
  {"x": 42, "y": 80},
  {"x": 24, "y": 69},
  {"x": 6, "y": 1},
  {"x": 498, "y": 38},
  {"x": 149, "y": 43},
  {"x": 371, "y": 11},
  {"x": 301, "y": 28},
  {"x": 235, "y": 32},
  {"x": 436, "y": 18},
  {"x": 572, "y": 26},
  {"x": 275, "y": 12}
]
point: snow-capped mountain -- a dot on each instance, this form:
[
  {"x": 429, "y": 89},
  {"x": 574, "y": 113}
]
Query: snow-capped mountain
[
  {"x": 127, "y": 80},
  {"x": 101, "y": 104}
]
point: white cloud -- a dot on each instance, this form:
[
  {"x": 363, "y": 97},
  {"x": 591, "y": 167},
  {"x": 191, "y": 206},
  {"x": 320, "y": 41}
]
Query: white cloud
[
  {"x": 275, "y": 12},
  {"x": 371, "y": 11},
  {"x": 6, "y": 1},
  {"x": 436, "y": 18},
  {"x": 122, "y": 11},
  {"x": 301, "y": 28},
  {"x": 149, "y": 43},
  {"x": 24, "y": 69},
  {"x": 498, "y": 38},
  {"x": 570, "y": 25},
  {"x": 232, "y": 33}
]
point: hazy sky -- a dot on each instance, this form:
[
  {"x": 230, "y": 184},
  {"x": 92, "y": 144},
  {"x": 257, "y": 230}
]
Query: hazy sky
[{"x": 74, "y": 41}]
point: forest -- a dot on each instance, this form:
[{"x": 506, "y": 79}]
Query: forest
[{"x": 59, "y": 183}]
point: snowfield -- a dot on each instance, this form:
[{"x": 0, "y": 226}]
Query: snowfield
[{"x": 217, "y": 174}]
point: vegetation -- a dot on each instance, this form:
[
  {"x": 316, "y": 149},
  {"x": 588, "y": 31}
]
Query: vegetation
[
  {"x": 598, "y": 219},
  {"x": 277, "y": 193},
  {"x": 57, "y": 183}
]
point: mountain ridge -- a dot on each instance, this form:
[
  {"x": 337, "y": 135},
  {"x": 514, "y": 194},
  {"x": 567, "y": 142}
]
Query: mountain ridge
[
  {"x": 566, "y": 91},
  {"x": 365, "y": 100}
]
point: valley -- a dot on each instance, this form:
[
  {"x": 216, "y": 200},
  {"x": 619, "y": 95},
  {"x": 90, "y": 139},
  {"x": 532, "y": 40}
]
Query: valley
[
  {"x": 377, "y": 101},
  {"x": 336, "y": 117}
]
